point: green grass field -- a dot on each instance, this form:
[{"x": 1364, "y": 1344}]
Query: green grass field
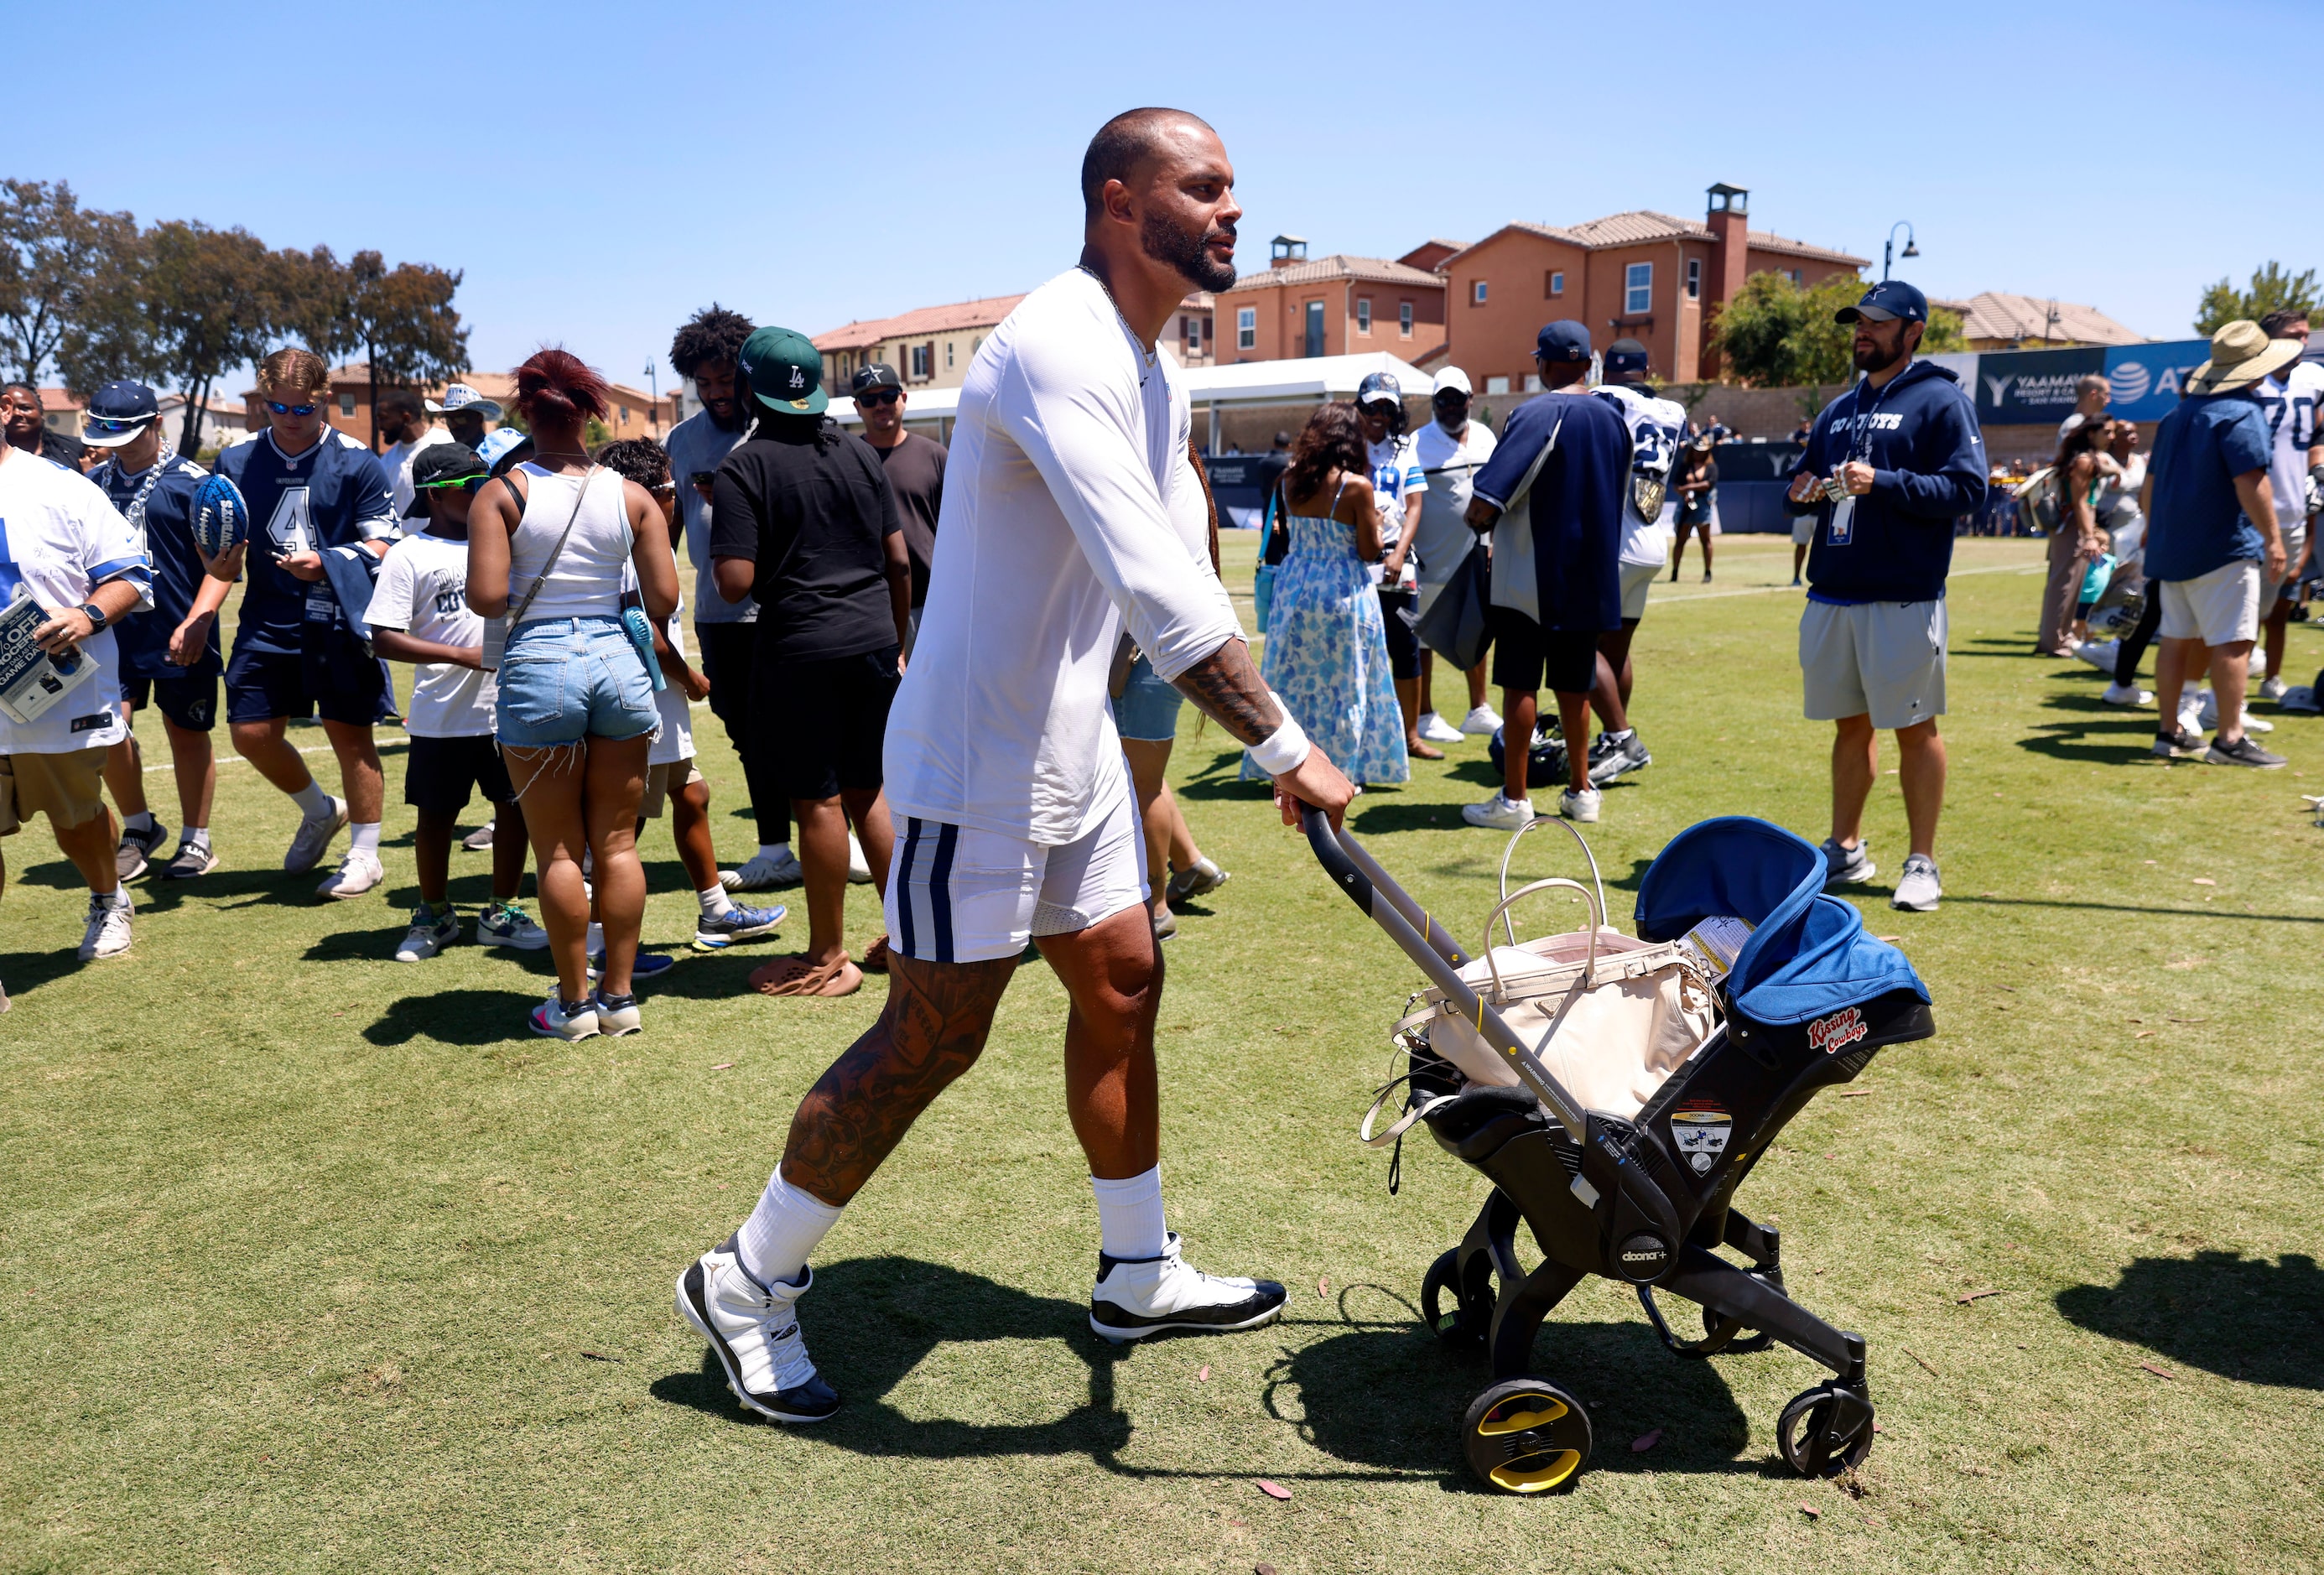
[{"x": 309, "y": 1260}]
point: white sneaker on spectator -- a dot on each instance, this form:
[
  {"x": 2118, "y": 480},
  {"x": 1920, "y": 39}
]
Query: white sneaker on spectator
[
  {"x": 314, "y": 834},
  {"x": 1435, "y": 729},
  {"x": 2273, "y": 688},
  {"x": 2099, "y": 654},
  {"x": 480, "y": 839},
  {"x": 759, "y": 873},
  {"x": 1581, "y": 806},
  {"x": 107, "y": 934},
  {"x": 1482, "y": 721},
  {"x": 1917, "y": 889},
  {"x": 2127, "y": 695},
  {"x": 357, "y": 873},
  {"x": 1498, "y": 813},
  {"x": 859, "y": 868}
]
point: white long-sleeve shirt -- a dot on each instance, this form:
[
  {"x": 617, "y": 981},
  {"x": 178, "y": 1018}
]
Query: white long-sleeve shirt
[{"x": 1070, "y": 507}]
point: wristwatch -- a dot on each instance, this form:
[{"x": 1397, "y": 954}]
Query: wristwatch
[{"x": 95, "y": 614}]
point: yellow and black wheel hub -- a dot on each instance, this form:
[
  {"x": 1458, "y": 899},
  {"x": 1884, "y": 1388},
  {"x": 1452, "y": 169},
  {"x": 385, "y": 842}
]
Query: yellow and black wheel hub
[{"x": 1524, "y": 1435}]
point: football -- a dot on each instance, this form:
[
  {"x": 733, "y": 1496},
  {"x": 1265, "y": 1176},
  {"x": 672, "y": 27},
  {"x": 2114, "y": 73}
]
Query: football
[{"x": 221, "y": 516}]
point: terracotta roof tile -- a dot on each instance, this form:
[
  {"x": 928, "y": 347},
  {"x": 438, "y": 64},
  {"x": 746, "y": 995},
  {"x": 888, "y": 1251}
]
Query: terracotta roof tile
[
  {"x": 1645, "y": 224},
  {"x": 1993, "y": 315},
  {"x": 1338, "y": 265},
  {"x": 936, "y": 319}
]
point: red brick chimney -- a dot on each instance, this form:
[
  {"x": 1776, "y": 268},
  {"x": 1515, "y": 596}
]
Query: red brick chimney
[{"x": 1731, "y": 255}]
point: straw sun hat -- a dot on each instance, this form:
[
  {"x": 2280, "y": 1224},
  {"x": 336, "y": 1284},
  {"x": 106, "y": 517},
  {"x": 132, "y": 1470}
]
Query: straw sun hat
[{"x": 2241, "y": 355}]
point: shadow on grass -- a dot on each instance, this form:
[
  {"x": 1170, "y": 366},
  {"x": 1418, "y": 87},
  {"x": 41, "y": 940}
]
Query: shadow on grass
[
  {"x": 22, "y": 972},
  {"x": 2230, "y": 913},
  {"x": 1381, "y": 1395},
  {"x": 2120, "y": 743},
  {"x": 455, "y": 1016},
  {"x": 2242, "y": 1318}
]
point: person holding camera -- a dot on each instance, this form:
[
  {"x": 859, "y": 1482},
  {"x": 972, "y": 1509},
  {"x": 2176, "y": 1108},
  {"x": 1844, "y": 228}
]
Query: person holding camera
[{"x": 1888, "y": 466}]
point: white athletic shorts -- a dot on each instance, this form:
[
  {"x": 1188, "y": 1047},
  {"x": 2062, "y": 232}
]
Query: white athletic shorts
[
  {"x": 2296, "y": 547},
  {"x": 1803, "y": 526},
  {"x": 960, "y": 894},
  {"x": 1638, "y": 579},
  {"x": 2220, "y": 608},
  {"x": 1885, "y": 660}
]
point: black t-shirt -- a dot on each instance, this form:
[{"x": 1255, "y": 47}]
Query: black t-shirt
[
  {"x": 61, "y": 448},
  {"x": 810, "y": 505},
  {"x": 916, "y": 468}
]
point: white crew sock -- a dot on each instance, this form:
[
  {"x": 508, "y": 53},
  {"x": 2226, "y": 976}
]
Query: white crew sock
[
  {"x": 195, "y": 836},
  {"x": 1527, "y": 799},
  {"x": 773, "y": 850},
  {"x": 363, "y": 838},
  {"x": 714, "y": 902},
  {"x": 313, "y": 802},
  {"x": 116, "y": 897},
  {"x": 786, "y": 1226},
  {"x": 1130, "y": 1215},
  {"x": 142, "y": 821},
  {"x": 594, "y": 944},
  {"x": 1621, "y": 737}
]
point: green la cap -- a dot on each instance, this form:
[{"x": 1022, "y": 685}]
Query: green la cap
[{"x": 784, "y": 370}]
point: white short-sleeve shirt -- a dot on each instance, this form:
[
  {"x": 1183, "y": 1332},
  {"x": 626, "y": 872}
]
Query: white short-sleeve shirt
[{"x": 60, "y": 538}]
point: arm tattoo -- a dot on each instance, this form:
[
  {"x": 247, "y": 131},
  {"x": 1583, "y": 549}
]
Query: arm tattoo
[
  {"x": 931, "y": 1031},
  {"x": 1225, "y": 687}
]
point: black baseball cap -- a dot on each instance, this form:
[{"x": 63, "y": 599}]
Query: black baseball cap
[
  {"x": 1889, "y": 298},
  {"x": 118, "y": 412},
  {"x": 441, "y": 465},
  {"x": 1565, "y": 340},
  {"x": 878, "y": 374},
  {"x": 1625, "y": 355}
]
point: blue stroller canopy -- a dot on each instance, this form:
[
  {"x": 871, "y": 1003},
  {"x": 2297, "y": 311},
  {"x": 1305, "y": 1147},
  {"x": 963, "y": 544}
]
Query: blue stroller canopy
[{"x": 1808, "y": 954}]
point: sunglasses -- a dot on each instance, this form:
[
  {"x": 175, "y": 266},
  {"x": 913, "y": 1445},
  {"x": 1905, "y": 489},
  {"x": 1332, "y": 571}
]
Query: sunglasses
[
  {"x": 108, "y": 426},
  {"x": 292, "y": 410},
  {"x": 881, "y": 397},
  {"x": 467, "y": 484}
]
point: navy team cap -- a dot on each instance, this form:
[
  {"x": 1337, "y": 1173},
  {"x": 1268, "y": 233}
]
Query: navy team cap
[
  {"x": 117, "y": 413},
  {"x": 1625, "y": 355},
  {"x": 1888, "y": 300},
  {"x": 1566, "y": 341}
]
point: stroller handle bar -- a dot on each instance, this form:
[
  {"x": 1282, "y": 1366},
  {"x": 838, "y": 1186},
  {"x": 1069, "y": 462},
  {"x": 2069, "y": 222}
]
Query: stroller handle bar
[{"x": 1436, "y": 953}]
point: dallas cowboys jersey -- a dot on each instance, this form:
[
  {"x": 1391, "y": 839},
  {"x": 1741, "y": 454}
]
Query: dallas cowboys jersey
[
  {"x": 163, "y": 521},
  {"x": 335, "y": 495},
  {"x": 1657, "y": 427}
]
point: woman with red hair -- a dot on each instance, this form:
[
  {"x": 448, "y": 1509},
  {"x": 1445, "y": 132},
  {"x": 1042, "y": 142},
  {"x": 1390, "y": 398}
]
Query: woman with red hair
[{"x": 551, "y": 545}]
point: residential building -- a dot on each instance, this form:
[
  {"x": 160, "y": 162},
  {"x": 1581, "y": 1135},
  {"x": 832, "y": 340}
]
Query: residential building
[
  {"x": 632, "y": 412},
  {"x": 1642, "y": 275},
  {"x": 931, "y": 346},
  {"x": 217, "y": 423},
  {"x": 61, "y": 411},
  {"x": 1339, "y": 305},
  {"x": 1995, "y": 320}
]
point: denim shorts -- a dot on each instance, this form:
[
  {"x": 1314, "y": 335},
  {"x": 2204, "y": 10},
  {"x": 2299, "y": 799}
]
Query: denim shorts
[
  {"x": 1147, "y": 706},
  {"x": 563, "y": 679}
]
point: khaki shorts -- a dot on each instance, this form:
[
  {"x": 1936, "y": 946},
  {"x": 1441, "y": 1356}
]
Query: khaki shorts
[
  {"x": 685, "y": 773},
  {"x": 64, "y": 788},
  {"x": 2220, "y": 608}
]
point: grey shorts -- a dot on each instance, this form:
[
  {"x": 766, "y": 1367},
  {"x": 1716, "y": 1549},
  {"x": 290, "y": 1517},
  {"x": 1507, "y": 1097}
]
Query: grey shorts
[{"x": 1882, "y": 658}]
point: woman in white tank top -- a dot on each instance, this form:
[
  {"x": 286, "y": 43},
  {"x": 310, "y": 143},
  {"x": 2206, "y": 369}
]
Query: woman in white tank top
[{"x": 575, "y": 715}]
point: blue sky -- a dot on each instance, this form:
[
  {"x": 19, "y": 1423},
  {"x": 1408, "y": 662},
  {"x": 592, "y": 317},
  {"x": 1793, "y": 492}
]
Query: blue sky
[{"x": 600, "y": 170}]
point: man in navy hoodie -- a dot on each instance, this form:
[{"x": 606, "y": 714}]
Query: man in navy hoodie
[{"x": 1889, "y": 466}]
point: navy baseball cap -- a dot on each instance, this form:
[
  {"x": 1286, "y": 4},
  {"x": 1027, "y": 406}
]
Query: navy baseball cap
[
  {"x": 1562, "y": 341},
  {"x": 117, "y": 413},
  {"x": 1625, "y": 355},
  {"x": 1888, "y": 300},
  {"x": 1380, "y": 386}
]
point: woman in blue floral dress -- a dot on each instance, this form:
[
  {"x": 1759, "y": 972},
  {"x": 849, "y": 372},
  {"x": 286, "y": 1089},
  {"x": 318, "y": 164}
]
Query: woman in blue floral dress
[{"x": 1326, "y": 652}]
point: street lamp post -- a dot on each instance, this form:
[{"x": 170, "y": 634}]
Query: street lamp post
[
  {"x": 654, "y": 389},
  {"x": 1888, "y": 251}
]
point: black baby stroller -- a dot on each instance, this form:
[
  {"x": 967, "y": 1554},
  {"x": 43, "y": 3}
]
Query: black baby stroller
[{"x": 1643, "y": 1192}]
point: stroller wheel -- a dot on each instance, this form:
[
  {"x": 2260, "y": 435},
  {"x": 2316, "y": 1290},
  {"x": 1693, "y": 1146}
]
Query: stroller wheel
[
  {"x": 1523, "y": 1435},
  {"x": 1465, "y": 1319},
  {"x": 1827, "y": 1430}
]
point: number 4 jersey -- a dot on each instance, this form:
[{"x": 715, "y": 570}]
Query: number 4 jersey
[
  {"x": 335, "y": 495},
  {"x": 1657, "y": 427}
]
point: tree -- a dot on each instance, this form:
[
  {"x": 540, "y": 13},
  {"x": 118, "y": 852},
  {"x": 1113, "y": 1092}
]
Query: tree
[
  {"x": 1776, "y": 333},
  {"x": 214, "y": 299},
  {"x": 402, "y": 318},
  {"x": 52, "y": 249},
  {"x": 2273, "y": 289}
]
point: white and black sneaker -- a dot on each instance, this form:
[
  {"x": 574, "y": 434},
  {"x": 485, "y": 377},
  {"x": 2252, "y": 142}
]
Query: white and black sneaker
[
  {"x": 753, "y": 1331},
  {"x": 131, "y": 858},
  {"x": 1612, "y": 757},
  {"x": 1136, "y": 1297},
  {"x": 1847, "y": 866},
  {"x": 2242, "y": 753},
  {"x": 2178, "y": 743}
]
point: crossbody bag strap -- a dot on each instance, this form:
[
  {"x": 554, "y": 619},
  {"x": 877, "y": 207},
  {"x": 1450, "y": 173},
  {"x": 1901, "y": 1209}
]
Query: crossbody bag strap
[{"x": 516, "y": 616}]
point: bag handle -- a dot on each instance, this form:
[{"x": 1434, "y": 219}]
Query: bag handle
[
  {"x": 516, "y": 616},
  {"x": 1403, "y": 1123},
  {"x": 1510, "y": 851},
  {"x": 1596, "y": 921}
]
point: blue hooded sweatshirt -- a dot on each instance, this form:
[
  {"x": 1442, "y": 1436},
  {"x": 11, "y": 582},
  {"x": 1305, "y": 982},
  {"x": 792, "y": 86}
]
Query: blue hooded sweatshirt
[{"x": 1920, "y": 436}]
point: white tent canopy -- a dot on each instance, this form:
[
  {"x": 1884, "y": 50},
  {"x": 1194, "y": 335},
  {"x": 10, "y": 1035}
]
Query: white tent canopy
[{"x": 1308, "y": 382}]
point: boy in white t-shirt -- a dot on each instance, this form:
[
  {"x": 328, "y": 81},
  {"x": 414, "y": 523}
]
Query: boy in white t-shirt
[
  {"x": 671, "y": 775},
  {"x": 419, "y": 613}
]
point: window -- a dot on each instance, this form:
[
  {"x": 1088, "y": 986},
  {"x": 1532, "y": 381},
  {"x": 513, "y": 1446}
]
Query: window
[
  {"x": 1553, "y": 283},
  {"x": 1363, "y": 313},
  {"x": 923, "y": 361},
  {"x": 1478, "y": 298},
  {"x": 1695, "y": 279},
  {"x": 974, "y": 345},
  {"x": 1637, "y": 289},
  {"x": 947, "y": 354},
  {"x": 625, "y": 415},
  {"x": 1533, "y": 383},
  {"x": 346, "y": 404},
  {"x": 1246, "y": 328},
  {"x": 1194, "y": 327},
  {"x": 1496, "y": 385},
  {"x": 1793, "y": 275},
  {"x": 1314, "y": 336},
  {"x": 1404, "y": 319}
]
